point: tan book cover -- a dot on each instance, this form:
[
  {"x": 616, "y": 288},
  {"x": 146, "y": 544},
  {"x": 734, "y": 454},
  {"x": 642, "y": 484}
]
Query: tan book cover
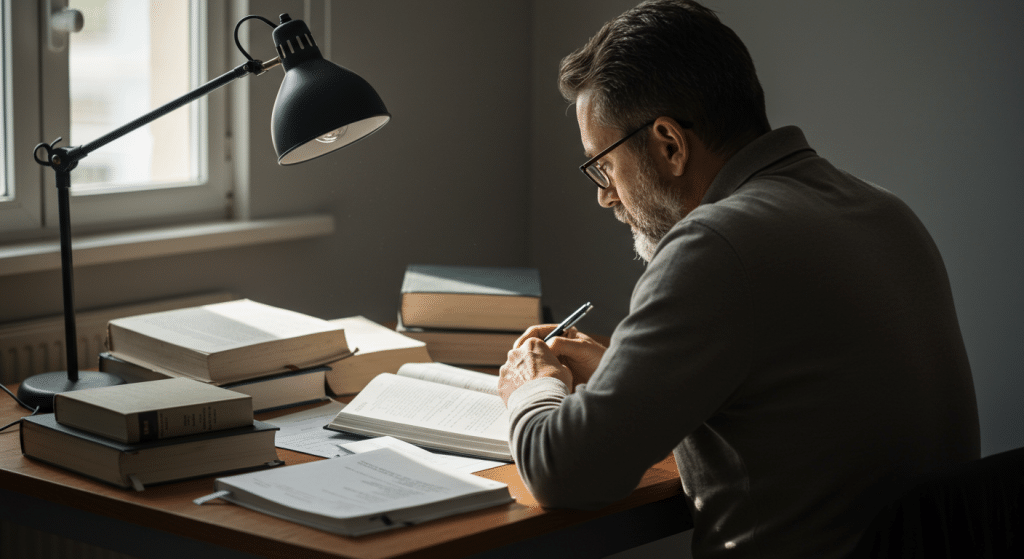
[
  {"x": 157, "y": 409},
  {"x": 475, "y": 348},
  {"x": 470, "y": 297},
  {"x": 377, "y": 349}
]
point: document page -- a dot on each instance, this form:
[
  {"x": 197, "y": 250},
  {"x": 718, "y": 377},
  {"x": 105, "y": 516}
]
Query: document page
[
  {"x": 304, "y": 432},
  {"x": 447, "y": 462},
  {"x": 452, "y": 376},
  {"x": 373, "y": 482}
]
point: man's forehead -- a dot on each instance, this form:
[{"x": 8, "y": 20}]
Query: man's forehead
[{"x": 590, "y": 130}]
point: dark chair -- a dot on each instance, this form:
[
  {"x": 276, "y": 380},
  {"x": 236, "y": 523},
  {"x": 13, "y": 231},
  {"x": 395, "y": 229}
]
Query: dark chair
[{"x": 975, "y": 510}]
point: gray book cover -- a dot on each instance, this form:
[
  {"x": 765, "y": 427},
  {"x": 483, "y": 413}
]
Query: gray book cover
[{"x": 475, "y": 280}]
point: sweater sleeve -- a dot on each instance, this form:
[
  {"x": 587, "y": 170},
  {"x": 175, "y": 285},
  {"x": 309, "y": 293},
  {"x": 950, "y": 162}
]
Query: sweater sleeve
[{"x": 672, "y": 362}]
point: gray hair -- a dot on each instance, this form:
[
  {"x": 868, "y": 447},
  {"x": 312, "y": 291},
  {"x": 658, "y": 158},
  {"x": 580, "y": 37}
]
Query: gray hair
[{"x": 670, "y": 58}]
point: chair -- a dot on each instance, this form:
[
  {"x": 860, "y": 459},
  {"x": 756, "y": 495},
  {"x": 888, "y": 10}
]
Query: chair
[{"x": 975, "y": 510}]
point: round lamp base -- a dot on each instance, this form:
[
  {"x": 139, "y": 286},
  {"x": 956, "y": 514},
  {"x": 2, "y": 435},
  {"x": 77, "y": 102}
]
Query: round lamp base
[{"x": 39, "y": 390}]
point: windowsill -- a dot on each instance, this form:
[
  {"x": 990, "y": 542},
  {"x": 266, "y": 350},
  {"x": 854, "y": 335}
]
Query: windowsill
[{"x": 28, "y": 257}]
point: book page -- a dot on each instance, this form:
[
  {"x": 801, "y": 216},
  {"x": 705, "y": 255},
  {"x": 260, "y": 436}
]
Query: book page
[
  {"x": 452, "y": 376},
  {"x": 373, "y": 482},
  {"x": 447, "y": 462},
  {"x": 428, "y": 404},
  {"x": 224, "y": 326}
]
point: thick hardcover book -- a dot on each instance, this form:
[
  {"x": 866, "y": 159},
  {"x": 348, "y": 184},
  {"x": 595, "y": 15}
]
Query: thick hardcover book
[
  {"x": 142, "y": 464},
  {"x": 478, "y": 348},
  {"x": 378, "y": 349},
  {"x": 268, "y": 393},
  {"x": 470, "y": 297},
  {"x": 158, "y": 409},
  {"x": 432, "y": 405},
  {"x": 362, "y": 493},
  {"x": 226, "y": 342}
]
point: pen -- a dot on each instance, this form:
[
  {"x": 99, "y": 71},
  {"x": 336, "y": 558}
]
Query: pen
[{"x": 569, "y": 322}]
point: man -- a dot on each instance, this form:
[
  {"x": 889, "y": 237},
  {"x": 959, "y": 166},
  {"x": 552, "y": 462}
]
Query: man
[{"x": 793, "y": 340}]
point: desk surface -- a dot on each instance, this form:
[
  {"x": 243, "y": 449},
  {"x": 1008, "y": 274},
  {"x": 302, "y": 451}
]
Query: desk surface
[{"x": 169, "y": 508}]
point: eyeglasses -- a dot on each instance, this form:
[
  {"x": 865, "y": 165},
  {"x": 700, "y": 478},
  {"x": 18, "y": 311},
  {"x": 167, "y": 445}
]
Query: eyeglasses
[{"x": 595, "y": 173}]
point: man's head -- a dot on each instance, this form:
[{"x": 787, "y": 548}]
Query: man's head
[{"x": 674, "y": 63}]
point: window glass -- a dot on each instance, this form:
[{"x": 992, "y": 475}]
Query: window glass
[
  {"x": 131, "y": 57},
  {"x": 5, "y": 98}
]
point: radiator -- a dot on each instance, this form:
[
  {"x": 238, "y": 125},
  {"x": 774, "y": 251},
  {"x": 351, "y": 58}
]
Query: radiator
[{"x": 37, "y": 346}]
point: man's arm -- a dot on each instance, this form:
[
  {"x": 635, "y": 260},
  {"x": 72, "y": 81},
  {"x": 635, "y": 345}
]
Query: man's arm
[{"x": 671, "y": 363}]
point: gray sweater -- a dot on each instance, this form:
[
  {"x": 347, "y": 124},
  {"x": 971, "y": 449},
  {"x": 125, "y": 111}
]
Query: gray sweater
[{"x": 793, "y": 342}]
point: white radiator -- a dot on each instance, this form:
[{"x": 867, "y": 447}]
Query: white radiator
[{"x": 37, "y": 346}]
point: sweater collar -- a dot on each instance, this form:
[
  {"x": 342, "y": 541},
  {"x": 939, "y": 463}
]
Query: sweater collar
[{"x": 759, "y": 154}]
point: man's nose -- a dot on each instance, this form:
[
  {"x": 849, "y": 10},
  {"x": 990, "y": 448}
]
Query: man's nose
[{"x": 608, "y": 197}]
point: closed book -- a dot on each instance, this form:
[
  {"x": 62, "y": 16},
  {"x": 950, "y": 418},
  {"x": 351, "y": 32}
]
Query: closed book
[
  {"x": 142, "y": 464},
  {"x": 432, "y": 405},
  {"x": 477, "y": 348},
  {"x": 364, "y": 493},
  {"x": 470, "y": 297},
  {"x": 378, "y": 349},
  {"x": 285, "y": 390},
  {"x": 226, "y": 342},
  {"x": 158, "y": 409}
]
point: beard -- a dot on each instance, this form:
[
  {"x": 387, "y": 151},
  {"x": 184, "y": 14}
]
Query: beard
[{"x": 657, "y": 208}]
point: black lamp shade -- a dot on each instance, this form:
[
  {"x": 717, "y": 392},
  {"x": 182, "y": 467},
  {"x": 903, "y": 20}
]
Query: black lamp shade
[{"x": 320, "y": 106}]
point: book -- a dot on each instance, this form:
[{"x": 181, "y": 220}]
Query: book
[
  {"x": 274, "y": 392},
  {"x": 141, "y": 464},
  {"x": 361, "y": 494},
  {"x": 225, "y": 342},
  {"x": 432, "y": 405},
  {"x": 479, "y": 348},
  {"x": 285, "y": 390},
  {"x": 378, "y": 349},
  {"x": 470, "y": 297},
  {"x": 157, "y": 409}
]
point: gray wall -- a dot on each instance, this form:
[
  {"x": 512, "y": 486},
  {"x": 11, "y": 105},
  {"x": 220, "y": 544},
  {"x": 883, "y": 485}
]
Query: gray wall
[
  {"x": 923, "y": 98},
  {"x": 479, "y": 164},
  {"x": 444, "y": 181}
]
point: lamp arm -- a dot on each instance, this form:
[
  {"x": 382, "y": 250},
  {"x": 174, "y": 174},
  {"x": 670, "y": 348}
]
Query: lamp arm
[{"x": 79, "y": 152}]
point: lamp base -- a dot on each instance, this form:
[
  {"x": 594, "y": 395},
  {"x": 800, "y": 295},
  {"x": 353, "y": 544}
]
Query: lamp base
[{"x": 39, "y": 390}]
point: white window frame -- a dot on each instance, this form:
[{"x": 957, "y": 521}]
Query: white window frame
[{"x": 44, "y": 113}]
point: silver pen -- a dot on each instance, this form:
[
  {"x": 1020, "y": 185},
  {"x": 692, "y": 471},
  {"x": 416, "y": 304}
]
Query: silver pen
[{"x": 569, "y": 322}]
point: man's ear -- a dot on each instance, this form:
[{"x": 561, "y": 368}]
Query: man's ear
[{"x": 670, "y": 146}]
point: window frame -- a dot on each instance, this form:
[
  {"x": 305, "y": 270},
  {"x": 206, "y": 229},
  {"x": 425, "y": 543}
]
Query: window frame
[{"x": 33, "y": 211}]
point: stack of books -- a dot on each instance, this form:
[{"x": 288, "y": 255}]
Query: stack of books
[
  {"x": 134, "y": 435},
  {"x": 278, "y": 357},
  {"x": 468, "y": 315}
]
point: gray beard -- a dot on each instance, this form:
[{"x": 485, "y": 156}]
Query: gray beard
[{"x": 657, "y": 210}]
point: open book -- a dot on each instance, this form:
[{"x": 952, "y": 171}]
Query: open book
[
  {"x": 435, "y": 406},
  {"x": 361, "y": 493}
]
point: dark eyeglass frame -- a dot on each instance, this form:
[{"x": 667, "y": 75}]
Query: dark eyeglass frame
[{"x": 595, "y": 173}]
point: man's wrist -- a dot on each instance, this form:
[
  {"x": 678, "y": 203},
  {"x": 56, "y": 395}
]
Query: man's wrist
[{"x": 538, "y": 388}]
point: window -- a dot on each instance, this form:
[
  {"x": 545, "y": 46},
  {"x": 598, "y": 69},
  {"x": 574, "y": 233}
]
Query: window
[
  {"x": 5, "y": 96},
  {"x": 130, "y": 57}
]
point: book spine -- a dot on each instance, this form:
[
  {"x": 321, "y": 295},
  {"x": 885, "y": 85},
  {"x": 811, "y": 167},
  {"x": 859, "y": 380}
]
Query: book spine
[
  {"x": 194, "y": 419},
  {"x": 148, "y": 425}
]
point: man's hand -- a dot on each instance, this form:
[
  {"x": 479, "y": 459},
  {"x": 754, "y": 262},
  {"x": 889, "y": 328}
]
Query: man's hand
[
  {"x": 571, "y": 358},
  {"x": 574, "y": 349},
  {"x": 530, "y": 359}
]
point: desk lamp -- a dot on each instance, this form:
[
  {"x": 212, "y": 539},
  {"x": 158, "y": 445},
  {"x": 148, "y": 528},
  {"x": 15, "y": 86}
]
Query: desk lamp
[{"x": 320, "y": 107}]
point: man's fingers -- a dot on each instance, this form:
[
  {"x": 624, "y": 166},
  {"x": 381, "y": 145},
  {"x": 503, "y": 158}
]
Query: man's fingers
[{"x": 538, "y": 331}]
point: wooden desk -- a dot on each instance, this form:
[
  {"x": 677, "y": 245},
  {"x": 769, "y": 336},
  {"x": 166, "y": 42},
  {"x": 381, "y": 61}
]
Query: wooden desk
[{"x": 162, "y": 521}]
